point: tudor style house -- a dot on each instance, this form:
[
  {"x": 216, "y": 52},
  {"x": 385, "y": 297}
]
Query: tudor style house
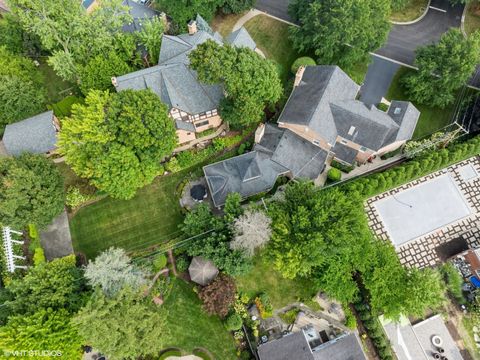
[
  {"x": 193, "y": 105},
  {"x": 37, "y": 135},
  {"x": 321, "y": 121}
]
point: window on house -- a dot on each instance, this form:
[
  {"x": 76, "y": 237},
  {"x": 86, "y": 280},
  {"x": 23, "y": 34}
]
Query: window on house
[
  {"x": 343, "y": 141},
  {"x": 202, "y": 123},
  {"x": 316, "y": 142},
  {"x": 363, "y": 149}
]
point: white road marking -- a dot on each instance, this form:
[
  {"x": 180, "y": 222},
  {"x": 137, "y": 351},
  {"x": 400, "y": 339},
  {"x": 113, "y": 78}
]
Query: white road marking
[{"x": 435, "y": 8}]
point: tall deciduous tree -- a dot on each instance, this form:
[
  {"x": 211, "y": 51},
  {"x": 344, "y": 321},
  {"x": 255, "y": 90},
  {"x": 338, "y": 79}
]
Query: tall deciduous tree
[
  {"x": 237, "y": 6},
  {"x": 151, "y": 37},
  {"x": 123, "y": 327},
  {"x": 340, "y": 32},
  {"x": 182, "y": 11},
  {"x": 252, "y": 231},
  {"x": 31, "y": 191},
  {"x": 112, "y": 271},
  {"x": 68, "y": 32},
  {"x": 443, "y": 68},
  {"x": 22, "y": 93},
  {"x": 251, "y": 82},
  {"x": 118, "y": 140}
]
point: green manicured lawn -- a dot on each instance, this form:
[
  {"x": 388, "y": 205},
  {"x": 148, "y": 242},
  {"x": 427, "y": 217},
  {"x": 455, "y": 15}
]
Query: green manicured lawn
[
  {"x": 472, "y": 17},
  {"x": 272, "y": 38},
  {"x": 413, "y": 10},
  {"x": 358, "y": 71},
  {"x": 57, "y": 89},
  {"x": 151, "y": 217},
  {"x": 190, "y": 327},
  {"x": 224, "y": 23},
  {"x": 263, "y": 278},
  {"x": 431, "y": 118}
]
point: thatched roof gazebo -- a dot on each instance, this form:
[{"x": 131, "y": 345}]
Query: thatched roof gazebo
[{"x": 202, "y": 271}]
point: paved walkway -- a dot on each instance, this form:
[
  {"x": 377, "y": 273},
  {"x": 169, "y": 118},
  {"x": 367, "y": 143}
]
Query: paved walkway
[
  {"x": 422, "y": 252},
  {"x": 245, "y": 18},
  {"x": 197, "y": 141}
]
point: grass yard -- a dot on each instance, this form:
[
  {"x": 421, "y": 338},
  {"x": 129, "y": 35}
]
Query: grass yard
[
  {"x": 150, "y": 218},
  {"x": 413, "y": 10},
  {"x": 263, "y": 278},
  {"x": 272, "y": 38},
  {"x": 57, "y": 89},
  {"x": 223, "y": 23},
  {"x": 190, "y": 327},
  {"x": 472, "y": 17},
  {"x": 431, "y": 118},
  {"x": 358, "y": 71}
]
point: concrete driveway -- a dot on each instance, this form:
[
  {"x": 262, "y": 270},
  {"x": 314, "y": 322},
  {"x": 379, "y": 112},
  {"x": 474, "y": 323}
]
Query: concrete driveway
[{"x": 377, "y": 81}]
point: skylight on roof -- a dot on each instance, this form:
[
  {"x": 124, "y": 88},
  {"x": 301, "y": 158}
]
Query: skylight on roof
[
  {"x": 397, "y": 111},
  {"x": 351, "y": 130}
]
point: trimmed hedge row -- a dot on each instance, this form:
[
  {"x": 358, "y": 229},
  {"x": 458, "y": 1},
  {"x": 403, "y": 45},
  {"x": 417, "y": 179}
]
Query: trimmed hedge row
[
  {"x": 425, "y": 164},
  {"x": 342, "y": 167}
]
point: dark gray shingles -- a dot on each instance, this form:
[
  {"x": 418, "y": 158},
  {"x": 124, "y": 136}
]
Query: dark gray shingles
[
  {"x": 346, "y": 347},
  {"x": 56, "y": 240},
  {"x": 406, "y": 115},
  {"x": 345, "y": 153},
  {"x": 241, "y": 38},
  {"x": 365, "y": 126},
  {"x": 290, "y": 347},
  {"x": 301, "y": 157},
  {"x": 35, "y": 135},
  {"x": 270, "y": 139},
  {"x": 139, "y": 14},
  {"x": 309, "y": 102},
  {"x": 230, "y": 176},
  {"x": 184, "y": 125}
]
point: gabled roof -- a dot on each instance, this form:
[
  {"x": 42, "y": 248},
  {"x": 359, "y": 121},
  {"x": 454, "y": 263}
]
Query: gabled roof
[
  {"x": 241, "y": 38},
  {"x": 35, "y": 135},
  {"x": 325, "y": 101}
]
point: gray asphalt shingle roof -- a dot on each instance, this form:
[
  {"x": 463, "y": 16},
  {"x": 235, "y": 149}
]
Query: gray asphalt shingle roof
[
  {"x": 345, "y": 153},
  {"x": 241, "y": 38},
  {"x": 346, "y": 347},
  {"x": 325, "y": 102},
  {"x": 35, "y": 135},
  {"x": 139, "y": 14}
]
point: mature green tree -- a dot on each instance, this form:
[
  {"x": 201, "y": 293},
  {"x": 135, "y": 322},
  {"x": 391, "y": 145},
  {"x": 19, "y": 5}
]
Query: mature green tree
[
  {"x": 251, "y": 82},
  {"x": 425, "y": 290},
  {"x": 113, "y": 271},
  {"x": 340, "y": 32},
  {"x": 68, "y": 32},
  {"x": 151, "y": 37},
  {"x": 97, "y": 74},
  {"x": 237, "y": 6},
  {"x": 398, "y": 5},
  {"x": 182, "y": 11},
  {"x": 54, "y": 285},
  {"x": 31, "y": 191},
  {"x": 443, "y": 68},
  {"x": 211, "y": 239},
  {"x": 22, "y": 93},
  {"x": 46, "y": 331},
  {"x": 123, "y": 327},
  {"x": 118, "y": 140},
  {"x": 15, "y": 39}
]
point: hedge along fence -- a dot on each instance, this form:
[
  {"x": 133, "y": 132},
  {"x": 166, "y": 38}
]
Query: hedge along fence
[{"x": 424, "y": 164}]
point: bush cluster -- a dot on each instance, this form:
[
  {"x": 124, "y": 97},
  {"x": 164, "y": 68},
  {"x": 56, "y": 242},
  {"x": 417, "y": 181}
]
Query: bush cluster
[
  {"x": 264, "y": 305},
  {"x": 334, "y": 175},
  {"x": 342, "y": 167}
]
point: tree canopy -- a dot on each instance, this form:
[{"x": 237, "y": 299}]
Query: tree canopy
[
  {"x": 125, "y": 326},
  {"x": 118, "y": 140},
  {"x": 182, "y": 11},
  {"x": 150, "y": 37},
  {"x": 340, "y": 32},
  {"x": 251, "y": 82},
  {"x": 443, "y": 68},
  {"x": 22, "y": 93},
  {"x": 31, "y": 191}
]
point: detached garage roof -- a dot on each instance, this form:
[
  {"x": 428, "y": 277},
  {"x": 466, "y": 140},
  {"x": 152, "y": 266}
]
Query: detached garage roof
[{"x": 35, "y": 135}]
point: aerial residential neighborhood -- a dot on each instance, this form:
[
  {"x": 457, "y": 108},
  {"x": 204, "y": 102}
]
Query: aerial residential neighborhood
[{"x": 240, "y": 179}]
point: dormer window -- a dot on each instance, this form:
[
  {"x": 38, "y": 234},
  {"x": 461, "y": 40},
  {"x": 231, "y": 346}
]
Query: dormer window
[{"x": 351, "y": 131}]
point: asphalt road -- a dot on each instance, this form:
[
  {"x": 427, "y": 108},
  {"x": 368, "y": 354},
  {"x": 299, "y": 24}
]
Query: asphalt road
[{"x": 377, "y": 81}]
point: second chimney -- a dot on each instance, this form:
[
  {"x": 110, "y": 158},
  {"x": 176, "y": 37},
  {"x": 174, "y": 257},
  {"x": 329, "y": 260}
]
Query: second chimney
[
  {"x": 114, "y": 81},
  {"x": 192, "y": 27},
  {"x": 299, "y": 76}
]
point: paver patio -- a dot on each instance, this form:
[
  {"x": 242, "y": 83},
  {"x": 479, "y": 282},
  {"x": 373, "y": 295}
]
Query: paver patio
[{"x": 421, "y": 251}]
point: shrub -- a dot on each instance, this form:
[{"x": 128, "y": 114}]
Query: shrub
[
  {"x": 302, "y": 61},
  {"x": 382, "y": 107},
  {"x": 454, "y": 282},
  {"x": 219, "y": 295},
  {"x": 342, "y": 167},
  {"x": 160, "y": 262},
  {"x": 233, "y": 322},
  {"x": 75, "y": 198},
  {"x": 290, "y": 316},
  {"x": 32, "y": 231},
  {"x": 334, "y": 175},
  {"x": 264, "y": 305},
  {"x": 64, "y": 107},
  {"x": 241, "y": 149},
  {"x": 350, "y": 320},
  {"x": 182, "y": 263},
  {"x": 38, "y": 256}
]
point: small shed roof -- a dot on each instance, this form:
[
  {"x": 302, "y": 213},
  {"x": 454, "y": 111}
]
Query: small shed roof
[{"x": 202, "y": 271}]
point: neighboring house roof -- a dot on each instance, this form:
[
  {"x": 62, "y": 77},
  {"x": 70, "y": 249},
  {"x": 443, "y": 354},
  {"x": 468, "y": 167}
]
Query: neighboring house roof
[
  {"x": 202, "y": 271},
  {"x": 35, "y": 135},
  {"x": 279, "y": 152},
  {"x": 325, "y": 101},
  {"x": 415, "y": 342},
  {"x": 85, "y": 3},
  {"x": 241, "y": 38},
  {"x": 296, "y": 346},
  {"x": 139, "y": 13}
]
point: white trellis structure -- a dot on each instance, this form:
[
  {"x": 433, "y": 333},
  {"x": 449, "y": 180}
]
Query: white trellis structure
[{"x": 8, "y": 248}]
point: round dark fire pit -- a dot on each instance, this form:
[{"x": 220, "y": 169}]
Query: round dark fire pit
[{"x": 198, "y": 192}]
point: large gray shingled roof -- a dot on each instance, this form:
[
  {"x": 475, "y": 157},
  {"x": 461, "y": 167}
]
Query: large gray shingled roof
[
  {"x": 325, "y": 101},
  {"x": 35, "y": 135},
  {"x": 241, "y": 38}
]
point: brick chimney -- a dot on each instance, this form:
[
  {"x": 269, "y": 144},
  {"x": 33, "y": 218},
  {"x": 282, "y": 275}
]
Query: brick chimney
[
  {"x": 114, "y": 81},
  {"x": 299, "y": 76},
  {"x": 259, "y": 133},
  {"x": 192, "y": 27}
]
